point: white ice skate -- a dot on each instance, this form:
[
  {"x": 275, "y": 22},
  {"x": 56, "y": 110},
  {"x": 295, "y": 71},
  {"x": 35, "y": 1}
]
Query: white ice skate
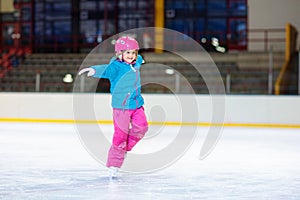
[{"x": 113, "y": 173}]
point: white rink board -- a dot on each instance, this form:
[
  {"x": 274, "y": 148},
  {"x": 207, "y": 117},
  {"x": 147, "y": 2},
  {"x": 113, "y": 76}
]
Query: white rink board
[{"x": 249, "y": 109}]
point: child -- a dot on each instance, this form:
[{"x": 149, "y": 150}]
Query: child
[{"x": 130, "y": 124}]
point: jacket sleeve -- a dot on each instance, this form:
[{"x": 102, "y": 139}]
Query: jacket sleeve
[{"x": 104, "y": 71}]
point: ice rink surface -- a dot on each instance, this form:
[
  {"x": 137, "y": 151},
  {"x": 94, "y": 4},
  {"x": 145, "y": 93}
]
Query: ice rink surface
[{"x": 47, "y": 161}]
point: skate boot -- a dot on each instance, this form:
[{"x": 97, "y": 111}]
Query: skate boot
[{"x": 113, "y": 173}]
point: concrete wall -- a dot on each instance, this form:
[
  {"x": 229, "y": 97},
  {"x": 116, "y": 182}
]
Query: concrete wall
[
  {"x": 239, "y": 110},
  {"x": 265, "y": 14}
]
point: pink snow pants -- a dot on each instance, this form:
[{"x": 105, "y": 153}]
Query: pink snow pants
[{"x": 130, "y": 127}]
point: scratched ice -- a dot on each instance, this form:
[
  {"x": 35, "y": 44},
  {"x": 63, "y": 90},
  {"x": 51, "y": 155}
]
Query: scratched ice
[{"x": 47, "y": 161}]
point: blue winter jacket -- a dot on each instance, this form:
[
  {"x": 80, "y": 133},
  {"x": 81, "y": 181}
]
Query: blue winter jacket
[{"x": 125, "y": 84}]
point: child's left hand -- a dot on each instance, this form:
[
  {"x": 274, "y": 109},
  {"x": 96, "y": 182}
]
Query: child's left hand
[{"x": 90, "y": 71}]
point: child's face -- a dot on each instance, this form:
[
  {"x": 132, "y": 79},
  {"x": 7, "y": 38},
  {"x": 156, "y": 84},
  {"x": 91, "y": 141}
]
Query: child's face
[{"x": 129, "y": 56}]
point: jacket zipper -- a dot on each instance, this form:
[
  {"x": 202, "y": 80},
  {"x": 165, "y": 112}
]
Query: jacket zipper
[
  {"x": 136, "y": 89},
  {"x": 124, "y": 102}
]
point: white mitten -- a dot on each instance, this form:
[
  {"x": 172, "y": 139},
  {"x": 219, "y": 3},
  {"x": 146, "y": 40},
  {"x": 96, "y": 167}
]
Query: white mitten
[{"x": 90, "y": 71}]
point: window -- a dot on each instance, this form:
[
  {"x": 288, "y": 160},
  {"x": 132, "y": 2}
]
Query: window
[
  {"x": 207, "y": 18},
  {"x": 53, "y": 22}
]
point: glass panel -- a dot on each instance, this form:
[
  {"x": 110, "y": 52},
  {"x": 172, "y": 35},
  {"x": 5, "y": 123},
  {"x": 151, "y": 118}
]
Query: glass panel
[
  {"x": 88, "y": 5},
  {"x": 49, "y": 29},
  {"x": 238, "y": 31},
  {"x": 88, "y": 30},
  {"x": 238, "y": 8},
  {"x": 177, "y": 25},
  {"x": 142, "y": 15},
  {"x": 199, "y": 5},
  {"x": 58, "y": 11},
  {"x": 143, "y": 4},
  {"x": 8, "y": 30},
  {"x": 216, "y": 4},
  {"x": 53, "y": 20},
  {"x": 62, "y": 31},
  {"x": 217, "y": 28},
  {"x": 39, "y": 12},
  {"x": 216, "y": 8},
  {"x": 26, "y": 13},
  {"x": 175, "y": 4},
  {"x": 25, "y": 34},
  {"x": 111, "y": 29},
  {"x": 205, "y": 18},
  {"x": 39, "y": 28},
  {"x": 199, "y": 29},
  {"x": 110, "y": 5}
]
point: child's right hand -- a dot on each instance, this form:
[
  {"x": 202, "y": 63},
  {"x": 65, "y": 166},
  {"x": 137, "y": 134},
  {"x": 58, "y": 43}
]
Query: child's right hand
[{"x": 90, "y": 71}]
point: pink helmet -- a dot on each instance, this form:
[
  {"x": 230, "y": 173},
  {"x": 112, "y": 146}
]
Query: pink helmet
[{"x": 126, "y": 43}]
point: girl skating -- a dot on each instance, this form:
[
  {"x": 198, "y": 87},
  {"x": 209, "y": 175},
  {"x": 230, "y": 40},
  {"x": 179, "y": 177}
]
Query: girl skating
[{"x": 130, "y": 123}]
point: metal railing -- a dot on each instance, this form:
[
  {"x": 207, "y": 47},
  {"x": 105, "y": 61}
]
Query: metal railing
[{"x": 40, "y": 79}]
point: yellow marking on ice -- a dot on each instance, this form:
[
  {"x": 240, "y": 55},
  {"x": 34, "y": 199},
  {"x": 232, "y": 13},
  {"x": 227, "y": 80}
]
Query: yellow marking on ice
[{"x": 168, "y": 123}]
